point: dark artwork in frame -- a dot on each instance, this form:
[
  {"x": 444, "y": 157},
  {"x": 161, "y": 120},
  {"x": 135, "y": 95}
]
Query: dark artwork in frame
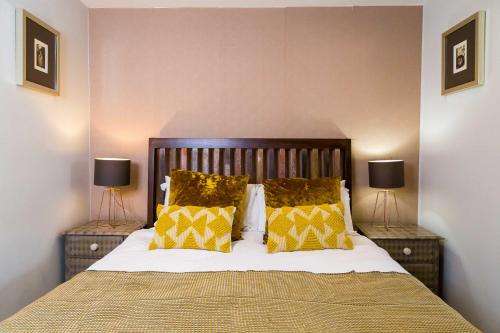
[
  {"x": 37, "y": 48},
  {"x": 463, "y": 54}
]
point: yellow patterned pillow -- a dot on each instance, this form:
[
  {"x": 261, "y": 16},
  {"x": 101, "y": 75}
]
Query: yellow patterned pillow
[
  {"x": 304, "y": 228},
  {"x": 293, "y": 192},
  {"x": 193, "y": 227}
]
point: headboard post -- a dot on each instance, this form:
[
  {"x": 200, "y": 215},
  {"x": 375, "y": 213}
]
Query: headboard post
[{"x": 259, "y": 158}]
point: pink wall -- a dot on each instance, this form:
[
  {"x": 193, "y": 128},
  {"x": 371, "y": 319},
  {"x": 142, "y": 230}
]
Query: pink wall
[{"x": 294, "y": 72}]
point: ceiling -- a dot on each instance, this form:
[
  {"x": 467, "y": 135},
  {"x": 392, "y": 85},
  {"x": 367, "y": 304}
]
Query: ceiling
[{"x": 243, "y": 3}]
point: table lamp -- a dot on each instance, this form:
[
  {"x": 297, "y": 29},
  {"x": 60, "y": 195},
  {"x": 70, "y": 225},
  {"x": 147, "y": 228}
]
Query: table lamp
[
  {"x": 386, "y": 175},
  {"x": 112, "y": 173}
]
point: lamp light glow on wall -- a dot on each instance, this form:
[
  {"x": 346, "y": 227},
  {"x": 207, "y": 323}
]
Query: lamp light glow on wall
[
  {"x": 386, "y": 175},
  {"x": 112, "y": 173}
]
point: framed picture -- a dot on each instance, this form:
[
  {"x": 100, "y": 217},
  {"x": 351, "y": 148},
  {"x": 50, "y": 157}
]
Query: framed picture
[
  {"x": 37, "y": 53},
  {"x": 463, "y": 54}
]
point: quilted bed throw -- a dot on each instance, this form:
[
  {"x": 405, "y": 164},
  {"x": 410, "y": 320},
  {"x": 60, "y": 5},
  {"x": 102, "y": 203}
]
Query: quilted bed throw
[{"x": 238, "y": 302}]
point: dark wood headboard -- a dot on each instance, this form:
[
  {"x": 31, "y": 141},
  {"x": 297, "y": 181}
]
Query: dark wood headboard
[{"x": 259, "y": 158}]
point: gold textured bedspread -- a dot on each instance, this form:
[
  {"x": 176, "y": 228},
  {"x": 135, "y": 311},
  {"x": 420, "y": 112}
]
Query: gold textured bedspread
[{"x": 238, "y": 302}]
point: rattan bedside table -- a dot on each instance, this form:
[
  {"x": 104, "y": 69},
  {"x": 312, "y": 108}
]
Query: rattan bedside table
[
  {"x": 417, "y": 249},
  {"x": 84, "y": 245}
]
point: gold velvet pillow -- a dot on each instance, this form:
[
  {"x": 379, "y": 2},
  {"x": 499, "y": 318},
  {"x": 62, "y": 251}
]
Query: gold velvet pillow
[
  {"x": 189, "y": 188},
  {"x": 293, "y": 192}
]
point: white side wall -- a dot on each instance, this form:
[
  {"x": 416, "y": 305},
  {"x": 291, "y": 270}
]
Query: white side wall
[
  {"x": 44, "y": 156},
  {"x": 459, "y": 167}
]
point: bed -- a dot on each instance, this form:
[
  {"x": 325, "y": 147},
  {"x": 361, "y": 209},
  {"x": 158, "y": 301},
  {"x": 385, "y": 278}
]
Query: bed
[{"x": 247, "y": 290}]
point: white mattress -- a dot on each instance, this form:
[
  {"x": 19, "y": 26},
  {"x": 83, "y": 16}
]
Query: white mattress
[{"x": 248, "y": 254}]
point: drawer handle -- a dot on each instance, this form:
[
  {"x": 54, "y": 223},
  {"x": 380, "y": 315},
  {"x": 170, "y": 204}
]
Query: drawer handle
[
  {"x": 407, "y": 251},
  {"x": 94, "y": 247}
]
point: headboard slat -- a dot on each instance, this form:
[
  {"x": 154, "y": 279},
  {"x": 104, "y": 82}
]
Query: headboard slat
[
  {"x": 336, "y": 162},
  {"x": 304, "y": 163},
  {"x": 292, "y": 163},
  {"x": 282, "y": 163},
  {"x": 236, "y": 153},
  {"x": 228, "y": 165},
  {"x": 259, "y": 158},
  {"x": 205, "y": 160},
  {"x": 342, "y": 162},
  {"x": 157, "y": 178},
  {"x": 314, "y": 165},
  {"x": 183, "y": 159},
  {"x": 298, "y": 163},
  {"x": 178, "y": 158},
  {"x": 323, "y": 163},
  {"x": 216, "y": 161},
  {"x": 249, "y": 163},
  {"x": 162, "y": 161},
  {"x": 259, "y": 165}
]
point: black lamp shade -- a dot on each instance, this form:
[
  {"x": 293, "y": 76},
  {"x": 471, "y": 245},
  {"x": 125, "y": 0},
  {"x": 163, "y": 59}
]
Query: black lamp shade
[
  {"x": 386, "y": 173},
  {"x": 112, "y": 172}
]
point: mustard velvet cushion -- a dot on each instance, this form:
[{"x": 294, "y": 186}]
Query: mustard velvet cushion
[
  {"x": 193, "y": 227},
  {"x": 304, "y": 228},
  {"x": 293, "y": 192},
  {"x": 300, "y": 191},
  {"x": 189, "y": 188}
]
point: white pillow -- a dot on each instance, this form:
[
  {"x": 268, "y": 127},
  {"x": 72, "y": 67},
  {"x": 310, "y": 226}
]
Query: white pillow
[
  {"x": 254, "y": 218},
  {"x": 166, "y": 187},
  {"x": 344, "y": 197}
]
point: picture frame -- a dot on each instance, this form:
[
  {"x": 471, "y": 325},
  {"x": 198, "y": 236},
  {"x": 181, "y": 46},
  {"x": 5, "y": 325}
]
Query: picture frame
[
  {"x": 37, "y": 54},
  {"x": 463, "y": 54}
]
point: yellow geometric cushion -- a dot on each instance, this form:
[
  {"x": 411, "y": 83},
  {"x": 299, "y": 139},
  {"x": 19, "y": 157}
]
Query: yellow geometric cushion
[
  {"x": 193, "y": 227},
  {"x": 303, "y": 228},
  {"x": 190, "y": 188}
]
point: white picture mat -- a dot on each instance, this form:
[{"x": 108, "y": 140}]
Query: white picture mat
[
  {"x": 38, "y": 44},
  {"x": 455, "y": 50}
]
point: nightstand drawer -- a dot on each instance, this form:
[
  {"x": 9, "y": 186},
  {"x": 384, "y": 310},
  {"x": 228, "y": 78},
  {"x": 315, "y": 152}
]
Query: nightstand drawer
[
  {"x": 77, "y": 265},
  {"x": 415, "y": 248},
  {"x": 84, "y": 246},
  {"x": 411, "y": 250},
  {"x": 428, "y": 274}
]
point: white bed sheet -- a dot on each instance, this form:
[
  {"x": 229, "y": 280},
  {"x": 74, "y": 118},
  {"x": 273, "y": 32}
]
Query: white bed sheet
[{"x": 248, "y": 254}]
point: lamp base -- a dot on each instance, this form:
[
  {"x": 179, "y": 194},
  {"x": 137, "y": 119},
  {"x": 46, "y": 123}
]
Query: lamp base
[
  {"x": 387, "y": 223},
  {"x": 112, "y": 202}
]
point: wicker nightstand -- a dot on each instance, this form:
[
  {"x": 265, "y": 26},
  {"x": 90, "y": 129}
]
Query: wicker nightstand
[
  {"x": 418, "y": 250},
  {"x": 86, "y": 244}
]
